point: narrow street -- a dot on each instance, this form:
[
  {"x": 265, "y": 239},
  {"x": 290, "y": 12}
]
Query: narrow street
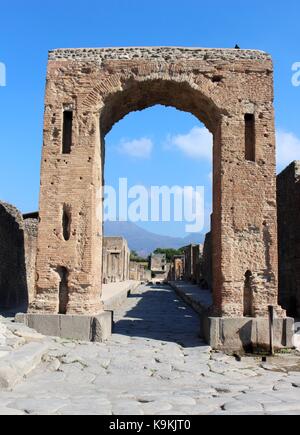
[{"x": 155, "y": 363}]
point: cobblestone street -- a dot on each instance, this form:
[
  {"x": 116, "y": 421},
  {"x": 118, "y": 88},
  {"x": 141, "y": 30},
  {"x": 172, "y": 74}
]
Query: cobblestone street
[{"x": 155, "y": 363}]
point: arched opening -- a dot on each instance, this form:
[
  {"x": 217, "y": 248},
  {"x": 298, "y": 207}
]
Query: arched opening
[
  {"x": 180, "y": 154},
  {"x": 140, "y": 95}
]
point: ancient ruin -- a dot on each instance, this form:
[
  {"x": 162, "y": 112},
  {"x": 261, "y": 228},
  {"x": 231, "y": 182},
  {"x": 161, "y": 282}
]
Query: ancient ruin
[
  {"x": 139, "y": 272},
  {"x": 13, "y": 283},
  {"x": 116, "y": 259},
  {"x": 159, "y": 266},
  {"x": 31, "y": 222},
  {"x": 177, "y": 268},
  {"x": 88, "y": 91},
  {"x": 288, "y": 199}
]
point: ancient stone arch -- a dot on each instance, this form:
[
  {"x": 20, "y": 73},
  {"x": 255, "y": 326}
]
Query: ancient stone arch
[{"x": 88, "y": 91}]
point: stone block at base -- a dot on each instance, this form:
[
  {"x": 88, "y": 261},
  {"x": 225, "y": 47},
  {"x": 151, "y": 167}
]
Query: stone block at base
[
  {"x": 247, "y": 334},
  {"x": 96, "y": 328}
]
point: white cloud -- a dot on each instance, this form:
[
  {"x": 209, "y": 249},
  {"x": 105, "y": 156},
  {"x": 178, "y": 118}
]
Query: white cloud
[
  {"x": 288, "y": 148},
  {"x": 195, "y": 144},
  {"x": 138, "y": 148}
]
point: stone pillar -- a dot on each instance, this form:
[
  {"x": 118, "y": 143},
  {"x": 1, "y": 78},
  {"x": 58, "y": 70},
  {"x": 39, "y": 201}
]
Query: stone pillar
[
  {"x": 244, "y": 220},
  {"x": 30, "y": 243},
  {"x": 70, "y": 183}
]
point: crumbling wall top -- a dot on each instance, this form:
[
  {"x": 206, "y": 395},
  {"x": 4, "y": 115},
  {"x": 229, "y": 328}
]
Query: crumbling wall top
[
  {"x": 169, "y": 54},
  {"x": 293, "y": 168},
  {"x": 13, "y": 212}
]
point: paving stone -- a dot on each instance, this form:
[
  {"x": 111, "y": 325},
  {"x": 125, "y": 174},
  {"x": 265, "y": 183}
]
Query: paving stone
[
  {"x": 20, "y": 363},
  {"x": 150, "y": 366},
  {"x": 32, "y": 406},
  {"x": 127, "y": 407},
  {"x": 157, "y": 406},
  {"x": 8, "y": 411},
  {"x": 243, "y": 406}
]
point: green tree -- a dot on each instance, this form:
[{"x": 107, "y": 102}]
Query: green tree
[{"x": 169, "y": 252}]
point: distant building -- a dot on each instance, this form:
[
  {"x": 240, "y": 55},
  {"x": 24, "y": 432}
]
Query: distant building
[
  {"x": 116, "y": 258},
  {"x": 139, "y": 272},
  {"x": 159, "y": 266}
]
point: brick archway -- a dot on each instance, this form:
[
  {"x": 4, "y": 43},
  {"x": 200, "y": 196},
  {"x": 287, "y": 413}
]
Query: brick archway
[{"x": 231, "y": 92}]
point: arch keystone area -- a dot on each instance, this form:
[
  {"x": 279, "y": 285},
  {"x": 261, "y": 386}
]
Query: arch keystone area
[{"x": 231, "y": 92}]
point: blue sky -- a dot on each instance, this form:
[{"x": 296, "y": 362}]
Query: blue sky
[{"x": 29, "y": 29}]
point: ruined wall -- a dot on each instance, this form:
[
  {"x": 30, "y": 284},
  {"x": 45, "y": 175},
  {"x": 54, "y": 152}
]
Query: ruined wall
[
  {"x": 176, "y": 272},
  {"x": 13, "y": 283},
  {"x": 87, "y": 92},
  {"x": 158, "y": 263},
  {"x": 206, "y": 264},
  {"x": 188, "y": 263},
  {"x": 288, "y": 199},
  {"x": 116, "y": 258},
  {"x": 139, "y": 272},
  {"x": 30, "y": 241},
  {"x": 197, "y": 251}
]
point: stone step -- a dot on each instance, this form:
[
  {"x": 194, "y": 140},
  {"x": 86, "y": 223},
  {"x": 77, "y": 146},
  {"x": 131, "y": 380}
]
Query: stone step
[{"x": 19, "y": 363}]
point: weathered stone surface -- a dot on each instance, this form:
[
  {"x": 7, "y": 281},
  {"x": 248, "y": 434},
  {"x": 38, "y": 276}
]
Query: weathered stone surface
[
  {"x": 13, "y": 283},
  {"x": 84, "y": 328},
  {"x": 132, "y": 373},
  {"x": 18, "y": 364},
  {"x": 116, "y": 259},
  {"x": 231, "y": 92},
  {"x": 139, "y": 272},
  {"x": 288, "y": 199},
  {"x": 30, "y": 241},
  {"x": 242, "y": 334},
  {"x": 115, "y": 294}
]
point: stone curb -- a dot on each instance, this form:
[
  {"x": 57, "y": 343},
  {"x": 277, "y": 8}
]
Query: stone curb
[{"x": 119, "y": 299}]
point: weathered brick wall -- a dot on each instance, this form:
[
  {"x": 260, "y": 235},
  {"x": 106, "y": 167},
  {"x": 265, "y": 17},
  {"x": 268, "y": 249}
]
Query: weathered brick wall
[
  {"x": 188, "y": 263},
  {"x": 13, "y": 283},
  {"x": 288, "y": 197},
  {"x": 197, "y": 251},
  {"x": 30, "y": 241},
  {"x": 206, "y": 264},
  {"x": 228, "y": 90},
  {"x": 139, "y": 272}
]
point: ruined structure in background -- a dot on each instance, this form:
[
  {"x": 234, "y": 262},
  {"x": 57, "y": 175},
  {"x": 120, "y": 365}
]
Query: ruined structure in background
[
  {"x": 188, "y": 263},
  {"x": 192, "y": 263},
  {"x": 17, "y": 258},
  {"x": 197, "y": 251},
  {"x": 176, "y": 272},
  {"x": 31, "y": 222},
  {"x": 139, "y": 272},
  {"x": 116, "y": 258},
  {"x": 88, "y": 91},
  {"x": 206, "y": 263},
  {"x": 288, "y": 200},
  {"x": 159, "y": 266}
]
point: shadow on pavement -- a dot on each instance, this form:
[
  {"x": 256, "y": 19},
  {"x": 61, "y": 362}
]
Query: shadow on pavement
[{"x": 160, "y": 315}]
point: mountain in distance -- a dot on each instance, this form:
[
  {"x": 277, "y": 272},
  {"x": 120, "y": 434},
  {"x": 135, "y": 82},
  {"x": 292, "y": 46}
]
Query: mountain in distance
[{"x": 144, "y": 242}]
